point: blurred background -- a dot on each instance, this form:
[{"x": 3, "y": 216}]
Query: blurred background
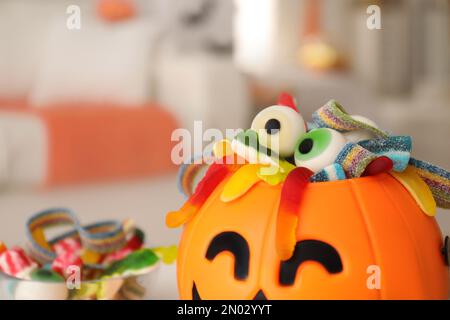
[{"x": 91, "y": 90}]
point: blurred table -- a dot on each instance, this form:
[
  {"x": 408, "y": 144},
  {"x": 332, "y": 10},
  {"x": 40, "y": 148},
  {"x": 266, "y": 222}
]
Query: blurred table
[{"x": 146, "y": 201}]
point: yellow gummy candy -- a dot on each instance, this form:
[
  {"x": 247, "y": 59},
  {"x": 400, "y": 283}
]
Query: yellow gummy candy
[
  {"x": 418, "y": 189},
  {"x": 90, "y": 257},
  {"x": 222, "y": 149},
  {"x": 240, "y": 182},
  {"x": 275, "y": 175},
  {"x": 109, "y": 287},
  {"x": 39, "y": 236},
  {"x": 87, "y": 291},
  {"x": 167, "y": 254}
]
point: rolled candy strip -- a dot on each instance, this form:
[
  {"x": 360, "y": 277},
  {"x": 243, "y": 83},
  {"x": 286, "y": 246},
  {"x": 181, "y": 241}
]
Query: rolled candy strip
[
  {"x": 354, "y": 159},
  {"x": 418, "y": 189},
  {"x": 437, "y": 179},
  {"x": 332, "y": 172},
  {"x": 214, "y": 176},
  {"x": 361, "y": 134},
  {"x": 190, "y": 173},
  {"x": 101, "y": 237},
  {"x": 16, "y": 263},
  {"x": 311, "y": 125},
  {"x": 396, "y": 148},
  {"x": 332, "y": 115}
]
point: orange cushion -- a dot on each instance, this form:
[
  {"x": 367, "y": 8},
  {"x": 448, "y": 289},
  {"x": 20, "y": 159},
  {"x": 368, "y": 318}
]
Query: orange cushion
[
  {"x": 116, "y": 10},
  {"x": 105, "y": 143}
]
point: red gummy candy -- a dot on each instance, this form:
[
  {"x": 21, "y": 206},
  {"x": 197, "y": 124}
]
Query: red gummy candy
[
  {"x": 67, "y": 245},
  {"x": 66, "y": 260},
  {"x": 377, "y": 166}
]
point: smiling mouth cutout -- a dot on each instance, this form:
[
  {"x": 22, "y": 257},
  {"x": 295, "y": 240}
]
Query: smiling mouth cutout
[{"x": 305, "y": 250}]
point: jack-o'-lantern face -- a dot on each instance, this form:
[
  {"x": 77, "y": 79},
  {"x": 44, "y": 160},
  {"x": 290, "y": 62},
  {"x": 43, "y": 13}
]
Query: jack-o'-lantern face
[{"x": 358, "y": 238}]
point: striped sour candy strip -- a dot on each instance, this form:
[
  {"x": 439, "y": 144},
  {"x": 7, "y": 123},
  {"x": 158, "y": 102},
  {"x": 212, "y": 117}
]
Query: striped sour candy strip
[
  {"x": 333, "y": 115},
  {"x": 101, "y": 237},
  {"x": 437, "y": 179},
  {"x": 15, "y": 262}
]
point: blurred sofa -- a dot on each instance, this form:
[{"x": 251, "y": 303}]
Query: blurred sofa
[{"x": 100, "y": 103}]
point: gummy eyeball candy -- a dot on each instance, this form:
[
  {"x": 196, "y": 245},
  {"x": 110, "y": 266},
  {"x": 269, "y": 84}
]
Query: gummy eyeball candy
[
  {"x": 318, "y": 148},
  {"x": 279, "y": 127}
]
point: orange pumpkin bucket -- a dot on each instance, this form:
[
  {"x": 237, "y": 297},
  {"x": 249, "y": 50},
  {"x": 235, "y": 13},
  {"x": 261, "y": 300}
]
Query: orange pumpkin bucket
[
  {"x": 346, "y": 214},
  {"x": 227, "y": 251}
]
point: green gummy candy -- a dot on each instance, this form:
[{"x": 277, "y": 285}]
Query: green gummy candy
[
  {"x": 133, "y": 263},
  {"x": 46, "y": 275}
]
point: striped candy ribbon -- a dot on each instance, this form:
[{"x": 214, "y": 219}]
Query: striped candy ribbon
[
  {"x": 354, "y": 159},
  {"x": 332, "y": 172},
  {"x": 398, "y": 149},
  {"x": 437, "y": 179},
  {"x": 332, "y": 115},
  {"x": 101, "y": 237}
]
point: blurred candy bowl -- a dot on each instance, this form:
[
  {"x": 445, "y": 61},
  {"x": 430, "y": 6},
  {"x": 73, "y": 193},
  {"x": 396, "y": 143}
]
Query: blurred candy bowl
[
  {"x": 132, "y": 287},
  {"x": 103, "y": 261}
]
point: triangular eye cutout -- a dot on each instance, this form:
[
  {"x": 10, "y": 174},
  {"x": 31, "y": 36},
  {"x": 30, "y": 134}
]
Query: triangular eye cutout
[{"x": 285, "y": 99}]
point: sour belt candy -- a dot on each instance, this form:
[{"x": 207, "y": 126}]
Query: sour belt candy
[
  {"x": 354, "y": 159},
  {"x": 437, "y": 179},
  {"x": 396, "y": 148},
  {"x": 331, "y": 173},
  {"x": 15, "y": 262},
  {"x": 102, "y": 237},
  {"x": 332, "y": 115}
]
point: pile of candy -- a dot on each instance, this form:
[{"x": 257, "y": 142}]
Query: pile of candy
[
  {"x": 281, "y": 148},
  {"x": 98, "y": 261},
  {"x": 333, "y": 146}
]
